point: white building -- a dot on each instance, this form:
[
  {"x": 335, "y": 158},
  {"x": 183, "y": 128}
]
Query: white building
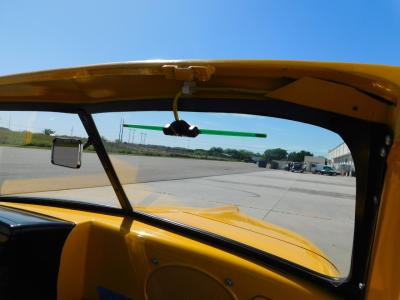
[{"x": 340, "y": 158}]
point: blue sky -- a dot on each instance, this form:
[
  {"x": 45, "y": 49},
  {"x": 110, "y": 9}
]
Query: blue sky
[{"x": 39, "y": 35}]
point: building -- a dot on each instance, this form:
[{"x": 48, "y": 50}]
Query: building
[
  {"x": 340, "y": 158},
  {"x": 312, "y": 161}
]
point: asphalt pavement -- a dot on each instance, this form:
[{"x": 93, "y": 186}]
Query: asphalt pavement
[{"x": 321, "y": 208}]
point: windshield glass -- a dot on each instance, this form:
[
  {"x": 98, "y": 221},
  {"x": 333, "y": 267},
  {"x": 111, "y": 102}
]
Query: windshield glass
[
  {"x": 25, "y": 160},
  {"x": 261, "y": 181},
  {"x": 264, "y": 192}
]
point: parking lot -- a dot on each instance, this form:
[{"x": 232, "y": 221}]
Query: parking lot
[{"x": 321, "y": 208}]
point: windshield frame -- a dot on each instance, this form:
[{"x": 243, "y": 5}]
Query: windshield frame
[
  {"x": 95, "y": 140},
  {"x": 357, "y": 134}
]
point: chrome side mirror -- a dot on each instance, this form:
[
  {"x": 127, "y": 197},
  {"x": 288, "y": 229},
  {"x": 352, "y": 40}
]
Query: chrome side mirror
[{"x": 67, "y": 153}]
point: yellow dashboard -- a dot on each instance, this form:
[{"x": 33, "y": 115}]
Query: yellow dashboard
[{"x": 114, "y": 255}]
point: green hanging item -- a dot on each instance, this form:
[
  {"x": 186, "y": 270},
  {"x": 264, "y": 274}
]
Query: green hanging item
[{"x": 202, "y": 131}]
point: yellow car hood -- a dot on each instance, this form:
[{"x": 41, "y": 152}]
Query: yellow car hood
[
  {"x": 225, "y": 221},
  {"x": 228, "y": 222}
]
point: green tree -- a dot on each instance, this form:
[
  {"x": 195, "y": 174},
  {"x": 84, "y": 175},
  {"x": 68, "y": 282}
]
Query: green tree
[
  {"x": 216, "y": 151},
  {"x": 245, "y": 155},
  {"x": 238, "y": 154},
  {"x": 233, "y": 153},
  {"x": 48, "y": 131},
  {"x": 299, "y": 156},
  {"x": 275, "y": 154}
]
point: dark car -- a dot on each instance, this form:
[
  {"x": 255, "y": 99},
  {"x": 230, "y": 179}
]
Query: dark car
[
  {"x": 325, "y": 170},
  {"x": 297, "y": 167},
  {"x": 262, "y": 164}
]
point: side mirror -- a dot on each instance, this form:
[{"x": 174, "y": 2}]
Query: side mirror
[{"x": 66, "y": 153}]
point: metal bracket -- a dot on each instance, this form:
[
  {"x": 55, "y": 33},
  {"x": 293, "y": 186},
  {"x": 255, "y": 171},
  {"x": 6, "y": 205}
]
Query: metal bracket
[
  {"x": 189, "y": 73},
  {"x": 88, "y": 143}
]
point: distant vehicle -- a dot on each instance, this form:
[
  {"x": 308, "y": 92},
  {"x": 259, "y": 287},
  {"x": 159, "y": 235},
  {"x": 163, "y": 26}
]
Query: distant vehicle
[
  {"x": 313, "y": 167},
  {"x": 297, "y": 167},
  {"x": 262, "y": 164},
  {"x": 325, "y": 170}
]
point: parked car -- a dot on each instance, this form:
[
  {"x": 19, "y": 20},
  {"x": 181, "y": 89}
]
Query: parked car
[
  {"x": 313, "y": 167},
  {"x": 297, "y": 167},
  {"x": 325, "y": 170},
  {"x": 262, "y": 164}
]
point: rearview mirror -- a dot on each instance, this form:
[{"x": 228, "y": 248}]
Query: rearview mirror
[{"x": 66, "y": 153}]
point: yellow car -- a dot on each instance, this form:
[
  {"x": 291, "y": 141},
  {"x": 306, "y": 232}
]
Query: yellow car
[{"x": 113, "y": 185}]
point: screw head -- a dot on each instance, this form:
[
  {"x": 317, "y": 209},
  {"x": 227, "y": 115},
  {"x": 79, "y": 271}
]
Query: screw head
[
  {"x": 361, "y": 286},
  {"x": 375, "y": 199},
  {"x": 228, "y": 282},
  {"x": 388, "y": 140},
  {"x": 154, "y": 261},
  {"x": 382, "y": 153}
]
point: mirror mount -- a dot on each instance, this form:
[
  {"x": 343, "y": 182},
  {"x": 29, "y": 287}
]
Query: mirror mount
[
  {"x": 88, "y": 143},
  {"x": 180, "y": 127}
]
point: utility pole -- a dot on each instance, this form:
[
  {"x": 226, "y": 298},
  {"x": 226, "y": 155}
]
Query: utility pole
[
  {"x": 141, "y": 137},
  {"x": 119, "y": 133},
  {"x": 122, "y": 130}
]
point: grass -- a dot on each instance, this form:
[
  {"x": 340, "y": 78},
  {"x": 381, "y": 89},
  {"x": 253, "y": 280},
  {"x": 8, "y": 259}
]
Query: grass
[{"x": 26, "y": 138}]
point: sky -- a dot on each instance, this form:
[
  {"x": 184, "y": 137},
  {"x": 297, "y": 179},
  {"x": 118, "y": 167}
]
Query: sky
[{"x": 37, "y": 35}]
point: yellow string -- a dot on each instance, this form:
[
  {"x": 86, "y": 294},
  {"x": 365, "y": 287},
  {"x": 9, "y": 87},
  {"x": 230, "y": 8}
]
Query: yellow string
[{"x": 175, "y": 105}]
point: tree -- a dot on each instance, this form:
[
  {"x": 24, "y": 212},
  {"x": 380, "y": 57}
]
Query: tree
[
  {"x": 241, "y": 155},
  {"x": 48, "y": 131},
  {"x": 233, "y": 153},
  {"x": 216, "y": 151},
  {"x": 275, "y": 154},
  {"x": 299, "y": 156},
  {"x": 246, "y": 155}
]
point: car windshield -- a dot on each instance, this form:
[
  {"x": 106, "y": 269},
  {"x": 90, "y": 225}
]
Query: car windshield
[
  {"x": 234, "y": 179},
  {"x": 237, "y": 180}
]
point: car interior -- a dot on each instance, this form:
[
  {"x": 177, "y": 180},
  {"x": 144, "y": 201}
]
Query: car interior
[{"x": 60, "y": 249}]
